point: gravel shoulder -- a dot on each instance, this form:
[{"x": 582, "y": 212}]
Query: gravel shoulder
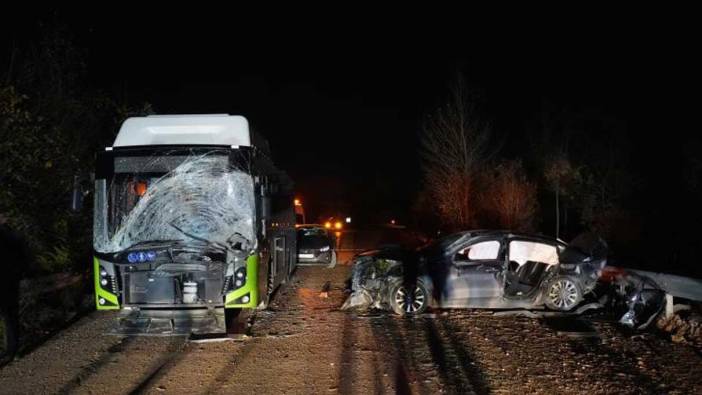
[{"x": 304, "y": 344}]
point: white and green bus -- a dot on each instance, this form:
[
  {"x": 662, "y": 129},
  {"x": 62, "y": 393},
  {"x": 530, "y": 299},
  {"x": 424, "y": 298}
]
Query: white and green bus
[{"x": 193, "y": 224}]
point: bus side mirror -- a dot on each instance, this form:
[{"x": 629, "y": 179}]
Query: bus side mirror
[{"x": 77, "y": 195}]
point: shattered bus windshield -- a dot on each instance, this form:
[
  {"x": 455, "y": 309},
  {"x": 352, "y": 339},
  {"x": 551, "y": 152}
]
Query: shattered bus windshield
[{"x": 172, "y": 197}]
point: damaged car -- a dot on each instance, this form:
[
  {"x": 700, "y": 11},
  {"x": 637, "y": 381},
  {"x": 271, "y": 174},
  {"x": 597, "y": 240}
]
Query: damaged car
[{"x": 479, "y": 269}]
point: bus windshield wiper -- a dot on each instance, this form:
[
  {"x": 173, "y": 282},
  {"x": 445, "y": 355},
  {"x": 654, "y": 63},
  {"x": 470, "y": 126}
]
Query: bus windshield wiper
[
  {"x": 149, "y": 242},
  {"x": 216, "y": 245}
]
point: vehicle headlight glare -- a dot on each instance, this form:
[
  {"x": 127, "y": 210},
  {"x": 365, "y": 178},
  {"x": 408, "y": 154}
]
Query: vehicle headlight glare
[
  {"x": 132, "y": 257},
  {"x": 103, "y": 282},
  {"x": 324, "y": 249},
  {"x": 239, "y": 274}
]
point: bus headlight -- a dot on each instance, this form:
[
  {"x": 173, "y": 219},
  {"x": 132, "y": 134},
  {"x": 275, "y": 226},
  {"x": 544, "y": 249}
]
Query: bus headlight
[{"x": 240, "y": 277}]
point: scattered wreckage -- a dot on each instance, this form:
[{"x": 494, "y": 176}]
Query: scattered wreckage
[{"x": 506, "y": 270}]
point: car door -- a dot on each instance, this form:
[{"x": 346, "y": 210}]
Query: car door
[
  {"x": 528, "y": 263},
  {"x": 474, "y": 277}
]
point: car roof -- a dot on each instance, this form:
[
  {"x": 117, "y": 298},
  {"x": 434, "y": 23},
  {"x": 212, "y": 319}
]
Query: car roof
[
  {"x": 513, "y": 234},
  {"x": 302, "y": 228},
  {"x": 309, "y": 226}
]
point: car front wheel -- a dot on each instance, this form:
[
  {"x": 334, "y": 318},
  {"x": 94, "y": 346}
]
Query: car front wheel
[
  {"x": 563, "y": 293},
  {"x": 406, "y": 300}
]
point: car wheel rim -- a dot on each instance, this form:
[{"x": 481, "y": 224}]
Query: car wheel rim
[
  {"x": 410, "y": 302},
  {"x": 563, "y": 294}
]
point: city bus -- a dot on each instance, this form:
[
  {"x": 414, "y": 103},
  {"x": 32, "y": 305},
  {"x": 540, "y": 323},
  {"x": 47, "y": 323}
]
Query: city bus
[{"x": 194, "y": 226}]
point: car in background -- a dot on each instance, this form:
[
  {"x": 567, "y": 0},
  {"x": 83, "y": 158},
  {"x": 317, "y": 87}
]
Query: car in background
[
  {"x": 479, "y": 269},
  {"x": 315, "y": 245}
]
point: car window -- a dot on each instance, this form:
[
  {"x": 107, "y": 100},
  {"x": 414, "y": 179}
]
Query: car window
[
  {"x": 484, "y": 250},
  {"x": 521, "y": 251},
  {"x": 312, "y": 232}
]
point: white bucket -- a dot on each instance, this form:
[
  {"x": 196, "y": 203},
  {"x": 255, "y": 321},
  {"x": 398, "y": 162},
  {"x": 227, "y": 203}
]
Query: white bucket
[{"x": 189, "y": 292}]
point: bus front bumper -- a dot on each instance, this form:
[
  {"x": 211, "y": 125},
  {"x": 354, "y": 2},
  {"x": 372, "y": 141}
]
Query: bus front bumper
[{"x": 169, "y": 322}]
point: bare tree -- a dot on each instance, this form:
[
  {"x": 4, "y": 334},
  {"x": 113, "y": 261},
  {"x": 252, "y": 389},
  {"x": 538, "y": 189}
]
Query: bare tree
[
  {"x": 509, "y": 198},
  {"x": 455, "y": 144},
  {"x": 561, "y": 177}
]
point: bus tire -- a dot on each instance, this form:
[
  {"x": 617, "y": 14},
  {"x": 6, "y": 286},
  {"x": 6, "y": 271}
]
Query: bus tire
[
  {"x": 236, "y": 321},
  {"x": 332, "y": 260}
]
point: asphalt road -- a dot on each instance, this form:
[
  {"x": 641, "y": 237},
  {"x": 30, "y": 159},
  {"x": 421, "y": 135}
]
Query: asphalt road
[{"x": 304, "y": 344}]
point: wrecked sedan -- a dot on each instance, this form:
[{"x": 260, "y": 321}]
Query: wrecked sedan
[{"x": 478, "y": 269}]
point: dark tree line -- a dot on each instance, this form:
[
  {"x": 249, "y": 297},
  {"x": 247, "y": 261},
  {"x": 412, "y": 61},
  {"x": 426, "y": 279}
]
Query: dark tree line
[
  {"x": 51, "y": 125},
  {"x": 572, "y": 169}
]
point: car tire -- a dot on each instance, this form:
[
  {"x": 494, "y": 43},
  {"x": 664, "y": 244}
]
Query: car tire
[
  {"x": 562, "y": 293},
  {"x": 403, "y": 302}
]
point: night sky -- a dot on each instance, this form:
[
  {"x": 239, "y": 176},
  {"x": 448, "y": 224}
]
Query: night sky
[{"x": 341, "y": 101}]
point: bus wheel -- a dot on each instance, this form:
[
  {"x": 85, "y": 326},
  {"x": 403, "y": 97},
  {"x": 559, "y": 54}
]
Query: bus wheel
[
  {"x": 332, "y": 260},
  {"x": 271, "y": 282},
  {"x": 237, "y": 321}
]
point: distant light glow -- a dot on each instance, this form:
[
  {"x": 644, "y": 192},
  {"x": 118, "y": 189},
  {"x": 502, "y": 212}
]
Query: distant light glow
[
  {"x": 338, "y": 225},
  {"x": 348, "y": 220},
  {"x": 327, "y": 225}
]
